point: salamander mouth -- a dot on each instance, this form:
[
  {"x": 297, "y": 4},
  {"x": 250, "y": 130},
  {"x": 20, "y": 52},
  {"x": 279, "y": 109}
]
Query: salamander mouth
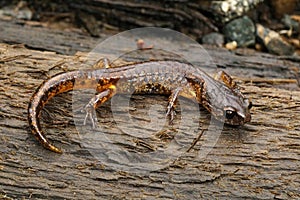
[
  {"x": 238, "y": 120},
  {"x": 247, "y": 118},
  {"x": 235, "y": 119}
]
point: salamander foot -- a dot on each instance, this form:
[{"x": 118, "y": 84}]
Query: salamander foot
[
  {"x": 171, "y": 112},
  {"x": 90, "y": 114}
]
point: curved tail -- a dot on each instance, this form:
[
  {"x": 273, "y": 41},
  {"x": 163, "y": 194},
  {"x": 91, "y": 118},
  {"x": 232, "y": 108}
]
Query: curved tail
[
  {"x": 57, "y": 84},
  {"x": 35, "y": 127}
]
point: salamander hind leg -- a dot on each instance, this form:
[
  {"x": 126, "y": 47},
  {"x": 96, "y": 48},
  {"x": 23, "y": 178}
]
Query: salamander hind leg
[
  {"x": 95, "y": 102},
  {"x": 102, "y": 63},
  {"x": 172, "y": 103}
]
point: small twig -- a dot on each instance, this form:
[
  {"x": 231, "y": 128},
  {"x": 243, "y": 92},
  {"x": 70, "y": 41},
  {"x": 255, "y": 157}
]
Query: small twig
[
  {"x": 58, "y": 64},
  {"x": 265, "y": 80},
  {"x": 140, "y": 44},
  {"x": 11, "y": 58},
  {"x": 196, "y": 140},
  {"x": 144, "y": 144}
]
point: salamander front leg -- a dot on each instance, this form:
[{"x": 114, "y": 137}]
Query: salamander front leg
[
  {"x": 90, "y": 110},
  {"x": 95, "y": 102},
  {"x": 172, "y": 103}
]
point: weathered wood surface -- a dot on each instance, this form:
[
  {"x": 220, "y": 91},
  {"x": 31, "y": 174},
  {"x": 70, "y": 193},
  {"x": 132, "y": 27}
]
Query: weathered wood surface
[
  {"x": 98, "y": 15},
  {"x": 43, "y": 39},
  {"x": 260, "y": 160}
]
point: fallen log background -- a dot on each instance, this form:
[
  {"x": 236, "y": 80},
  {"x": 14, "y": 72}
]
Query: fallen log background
[{"x": 260, "y": 160}]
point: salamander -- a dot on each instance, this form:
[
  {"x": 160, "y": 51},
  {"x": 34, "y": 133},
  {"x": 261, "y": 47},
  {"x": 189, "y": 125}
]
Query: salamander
[{"x": 219, "y": 95}]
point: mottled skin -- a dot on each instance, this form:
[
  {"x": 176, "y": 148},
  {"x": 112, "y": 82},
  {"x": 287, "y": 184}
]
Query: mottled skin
[{"x": 219, "y": 96}]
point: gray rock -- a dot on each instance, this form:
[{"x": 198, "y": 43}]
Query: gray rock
[
  {"x": 241, "y": 30},
  {"x": 290, "y": 23},
  {"x": 213, "y": 39},
  {"x": 227, "y": 10},
  {"x": 20, "y": 11}
]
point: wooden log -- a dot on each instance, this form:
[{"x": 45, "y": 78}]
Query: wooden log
[
  {"x": 185, "y": 16},
  {"x": 259, "y": 160}
]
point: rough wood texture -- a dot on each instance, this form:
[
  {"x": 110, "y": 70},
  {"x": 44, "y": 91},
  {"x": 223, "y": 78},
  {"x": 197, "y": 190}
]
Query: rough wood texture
[
  {"x": 43, "y": 39},
  {"x": 259, "y": 160},
  {"x": 185, "y": 16}
]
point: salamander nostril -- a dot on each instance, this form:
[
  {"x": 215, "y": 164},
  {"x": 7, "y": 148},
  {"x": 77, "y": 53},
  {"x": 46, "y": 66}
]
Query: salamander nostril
[{"x": 250, "y": 105}]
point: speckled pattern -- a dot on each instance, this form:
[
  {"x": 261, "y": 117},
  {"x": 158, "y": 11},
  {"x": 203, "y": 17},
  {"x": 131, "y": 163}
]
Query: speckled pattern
[{"x": 220, "y": 97}]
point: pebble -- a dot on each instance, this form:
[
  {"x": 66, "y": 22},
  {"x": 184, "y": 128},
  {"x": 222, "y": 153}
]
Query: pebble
[
  {"x": 213, "y": 38},
  {"x": 231, "y": 45},
  {"x": 273, "y": 41}
]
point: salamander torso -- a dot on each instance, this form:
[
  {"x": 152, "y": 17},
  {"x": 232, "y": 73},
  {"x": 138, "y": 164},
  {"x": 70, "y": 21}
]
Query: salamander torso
[{"x": 220, "y": 97}]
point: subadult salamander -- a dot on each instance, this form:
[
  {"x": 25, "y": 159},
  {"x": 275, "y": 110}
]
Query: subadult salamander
[{"x": 219, "y": 96}]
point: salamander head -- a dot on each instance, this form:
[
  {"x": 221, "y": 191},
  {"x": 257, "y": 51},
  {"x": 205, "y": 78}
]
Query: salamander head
[
  {"x": 230, "y": 106},
  {"x": 237, "y": 116}
]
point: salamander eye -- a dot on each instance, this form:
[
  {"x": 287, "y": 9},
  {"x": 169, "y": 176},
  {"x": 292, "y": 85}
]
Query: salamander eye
[{"x": 229, "y": 114}]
